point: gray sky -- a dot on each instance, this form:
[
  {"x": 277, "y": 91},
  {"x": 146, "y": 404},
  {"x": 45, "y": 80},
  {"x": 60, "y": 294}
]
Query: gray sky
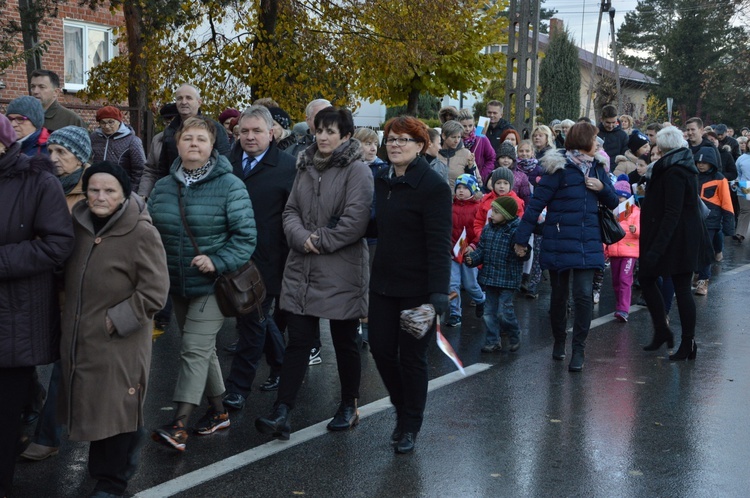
[{"x": 581, "y": 17}]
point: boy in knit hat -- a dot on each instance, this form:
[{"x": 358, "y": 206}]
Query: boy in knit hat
[
  {"x": 501, "y": 185},
  {"x": 624, "y": 254},
  {"x": 465, "y": 205},
  {"x": 500, "y": 274}
]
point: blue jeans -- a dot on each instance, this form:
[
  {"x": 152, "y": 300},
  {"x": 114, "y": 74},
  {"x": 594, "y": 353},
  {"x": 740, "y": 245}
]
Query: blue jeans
[
  {"x": 499, "y": 315},
  {"x": 462, "y": 275}
]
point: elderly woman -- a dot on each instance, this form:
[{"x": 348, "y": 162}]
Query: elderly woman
[
  {"x": 203, "y": 213},
  {"x": 228, "y": 119},
  {"x": 326, "y": 271},
  {"x": 480, "y": 146},
  {"x": 574, "y": 185},
  {"x": 565, "y": 125},
  {"x": 36, "y": 237},
  {"x": 412, "y": 267},
  {"x": 115, "y": 280},
  {"x": 282, "y": 124},
  {"x": 455, "y": 158},
  {"x": 27, "y": 117},
  {"x": 674, "y": 240},
  {"x": 543, "y": 140},
  {"x": 117, "y": 143}
]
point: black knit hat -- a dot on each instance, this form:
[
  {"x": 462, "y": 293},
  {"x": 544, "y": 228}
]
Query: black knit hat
[{"x": 109, "y": 168}]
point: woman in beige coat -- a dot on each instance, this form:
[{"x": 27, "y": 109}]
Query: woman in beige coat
[
  {"x": 326, "y": 272},
  {"x": 115, "y": 281}
]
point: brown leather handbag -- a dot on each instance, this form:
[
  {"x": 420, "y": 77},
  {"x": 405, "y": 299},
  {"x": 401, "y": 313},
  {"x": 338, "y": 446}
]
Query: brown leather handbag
[{"x": 237, "y": 292}]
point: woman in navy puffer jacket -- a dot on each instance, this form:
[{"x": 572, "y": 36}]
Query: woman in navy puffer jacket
[{"x": 574, "y": 184}]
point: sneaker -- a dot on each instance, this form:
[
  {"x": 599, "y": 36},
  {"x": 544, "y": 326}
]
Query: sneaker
[
  {"x": 37, "y": 452},
  {"x": 719, "y": 256},
  {"x": 492, "y": 348},
  {"x": 513, "y": 347},
  {"x": 701, "y": 288},
  {"x": 530, "y": 294},
  {"x": 212, "y": 422},
  {"x": 621, "y": 316},
  {"x": 597, "y": 295},
  {"x": 173, "y": 435},
  {"x": 315, "y": 358},
  {"x": 479, "y": 311},
  {"x": 453, "y": 321}
]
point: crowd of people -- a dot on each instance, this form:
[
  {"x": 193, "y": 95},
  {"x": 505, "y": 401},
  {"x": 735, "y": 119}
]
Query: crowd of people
[{"x": 107, "y": 239}]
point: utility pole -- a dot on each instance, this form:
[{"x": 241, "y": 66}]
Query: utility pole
[
  {"x": 522, "y": 69},
  {"x": 614, "y": 59},
  {"x": 606, "y": 4}
]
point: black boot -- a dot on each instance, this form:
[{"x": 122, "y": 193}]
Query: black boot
[
  {"x": 558, "y": 350},
  {"x": 687, "y": 350},
  {"x": 660, "y": 337},
  {"x": 276, "y": 424},
  {"x": 406, "y": 443},
  {"x": 347, "y": 417},
  {"x": 576, "y": 361}
]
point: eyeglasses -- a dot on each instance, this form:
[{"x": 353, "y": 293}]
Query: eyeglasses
[
  {"x": 19, "y": 119},
  {"x": 400, "y": 141}
]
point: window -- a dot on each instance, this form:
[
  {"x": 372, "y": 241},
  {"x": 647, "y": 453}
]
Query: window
[
  {"x": 494, "y": 49},
  {"x": 85, "y": 46}
]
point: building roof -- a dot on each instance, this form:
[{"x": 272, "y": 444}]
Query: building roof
[{"x": 605, "y": 65}]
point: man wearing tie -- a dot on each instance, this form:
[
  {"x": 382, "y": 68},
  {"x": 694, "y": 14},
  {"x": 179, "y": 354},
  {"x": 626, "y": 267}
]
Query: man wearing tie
[{"x": 268, "y": 174}]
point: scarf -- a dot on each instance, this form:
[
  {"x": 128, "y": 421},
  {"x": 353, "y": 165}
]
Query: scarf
[
  {"x": 527, "y": 165},
  {"x": 583, "y": 161},
  {"x": 70, "y": 181},
  {"x": 321, "y": 162},
  {"x": 470, "y": 140},
  {"x": 193, "y": 175}
]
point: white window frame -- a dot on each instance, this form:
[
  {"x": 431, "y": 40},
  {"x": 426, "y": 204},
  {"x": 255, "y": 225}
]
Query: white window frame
[{"x": 110, "y": 47}]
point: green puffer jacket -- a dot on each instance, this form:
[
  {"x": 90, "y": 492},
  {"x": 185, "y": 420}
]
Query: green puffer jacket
[{"x": 220, "y": 215}]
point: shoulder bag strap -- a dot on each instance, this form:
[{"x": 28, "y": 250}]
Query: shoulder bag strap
[{"x": 184, "y": 219}]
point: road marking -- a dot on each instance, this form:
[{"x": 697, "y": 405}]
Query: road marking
[
  {"x": 218, "y": 469},
  {"x": 737, "y": 270},
  {"x": 609, "y": 318}
]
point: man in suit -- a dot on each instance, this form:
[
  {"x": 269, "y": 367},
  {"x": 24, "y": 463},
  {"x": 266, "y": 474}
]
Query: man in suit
[{"x": 268, "y": 174}]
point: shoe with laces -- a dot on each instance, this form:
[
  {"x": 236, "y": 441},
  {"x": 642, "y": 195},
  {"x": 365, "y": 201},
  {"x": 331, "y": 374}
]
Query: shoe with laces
[
  {"x": 37, "y": 452},
  {"x": 315, "y": 358},
  {"x": 453, "y": 321},
  {"x": 492, "y": 348},
  {"x": 173, "y": 435},
  {"x": 701, "y": 288},
  {"x": 621, "y": 316},
  {"x": 211, "y": 422}
]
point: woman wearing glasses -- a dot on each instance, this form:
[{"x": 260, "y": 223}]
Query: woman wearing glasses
[
  {"x": 412, "y": 267},
  {"x": 326, "y": 272}
]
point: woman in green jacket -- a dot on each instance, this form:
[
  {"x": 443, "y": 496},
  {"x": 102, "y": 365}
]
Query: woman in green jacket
[{"x": 220, "y": 217}]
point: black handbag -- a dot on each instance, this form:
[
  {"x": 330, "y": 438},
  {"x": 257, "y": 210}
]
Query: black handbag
[
  {"x": 609, "y": 227},
  {"x": 238, "y": 292}
]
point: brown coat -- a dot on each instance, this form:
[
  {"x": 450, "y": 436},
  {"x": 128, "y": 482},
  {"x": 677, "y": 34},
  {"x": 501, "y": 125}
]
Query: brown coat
[
  {"x": 335, "y": 205},
  {"x": 121, "y": 273}
]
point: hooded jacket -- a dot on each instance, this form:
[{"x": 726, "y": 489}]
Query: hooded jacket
[
  {"x": 572, "y": 238},
  {"x": 674, "y": 239},
  {"x": 36, "y": 236},
  {"x": 715, "y": 193},
  {"x": 501, "y": 267},
  {"x": 334, "y": 205},
  {"x": 119, "y": 272},
  {"x": 615, "y": 143},
  {"x": 36, "y": 143},
  {"x": 123, "y": 148}
]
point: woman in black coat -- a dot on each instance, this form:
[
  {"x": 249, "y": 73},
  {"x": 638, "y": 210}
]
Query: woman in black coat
[
  {"x": 36, "y": 237},
  {"x": 674, "y": 241},
  {"x": 411, "y": 268}
]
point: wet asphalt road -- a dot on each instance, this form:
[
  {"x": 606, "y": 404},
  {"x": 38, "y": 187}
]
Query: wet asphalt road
[{"x": 632, "y": 424}]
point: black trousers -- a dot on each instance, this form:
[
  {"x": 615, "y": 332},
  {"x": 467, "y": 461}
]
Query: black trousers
[
  {"x": 255, "y": 337},
  {"x": 304, "y": 333},
  {"x": 685, "y": 303},
  {"x": 400, "y": 357},
  {"x": 114, "y": 460},
  {"x": 583, "y": 304},
  {"x": 15, "y": 387}
]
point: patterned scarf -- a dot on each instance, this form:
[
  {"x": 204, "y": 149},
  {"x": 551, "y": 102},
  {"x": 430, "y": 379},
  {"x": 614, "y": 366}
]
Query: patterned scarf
[
  {"x": 470, "y": 140},
  {"x": 527, "y": 165},
  {"x": 193, "y": 175},
  {"x": 583, "y": 161}
]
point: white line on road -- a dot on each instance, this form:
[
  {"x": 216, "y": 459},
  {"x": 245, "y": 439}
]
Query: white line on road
[{"x": 205, "y": 474}]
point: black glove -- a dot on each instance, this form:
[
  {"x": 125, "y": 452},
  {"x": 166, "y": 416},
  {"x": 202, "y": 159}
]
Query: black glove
[{"x": 440, "y": 302}]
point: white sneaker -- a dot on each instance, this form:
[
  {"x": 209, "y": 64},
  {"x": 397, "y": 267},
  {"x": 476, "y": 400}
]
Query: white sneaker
[
  {"x": 315, "y": 358},
  {"x": 596, "y": 297}
]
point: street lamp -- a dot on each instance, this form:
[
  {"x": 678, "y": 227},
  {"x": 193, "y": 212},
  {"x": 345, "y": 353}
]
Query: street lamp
[{"x": 670, "y": 101}]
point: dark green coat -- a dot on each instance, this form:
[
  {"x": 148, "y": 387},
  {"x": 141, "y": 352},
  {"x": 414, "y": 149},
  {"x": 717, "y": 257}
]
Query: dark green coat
[{"x": 220, "y": 215}]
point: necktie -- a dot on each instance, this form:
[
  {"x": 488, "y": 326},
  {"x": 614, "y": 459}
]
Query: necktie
[{"x": 248, "y": 165}]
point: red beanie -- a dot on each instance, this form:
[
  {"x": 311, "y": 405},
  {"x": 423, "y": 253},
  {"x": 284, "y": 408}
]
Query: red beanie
[{"x": 109, "y": 112}]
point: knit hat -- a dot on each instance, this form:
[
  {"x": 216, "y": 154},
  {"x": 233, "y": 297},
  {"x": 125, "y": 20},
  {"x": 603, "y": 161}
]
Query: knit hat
[
  {"x": 228, "y": 113},
  {"x": 29, "y": 107},
  {"x": 720, "y": 129},
  {"x": 502, "y": 174},
  {"x": 707, "y": 155},
  {"x": 469, "y": 182},
  {"x": 7, "y": 134},
  {"x": 280, "y": 116},
  {"x": 622, "y": 187},
  {"x": 109, "y": 168},
  {"x": 507, "y": 150},
  {"x": 109, "y": 112},
  {"x": 636, "y": 141},
  {"x": 507, "y": 206},
  {"x": 75, "y": 139},
  {"x": 300, "y": 129}
]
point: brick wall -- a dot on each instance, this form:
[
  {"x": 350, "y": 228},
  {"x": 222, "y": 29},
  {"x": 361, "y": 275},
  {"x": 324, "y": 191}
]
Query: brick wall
[{"x": 15, "y": 77}]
